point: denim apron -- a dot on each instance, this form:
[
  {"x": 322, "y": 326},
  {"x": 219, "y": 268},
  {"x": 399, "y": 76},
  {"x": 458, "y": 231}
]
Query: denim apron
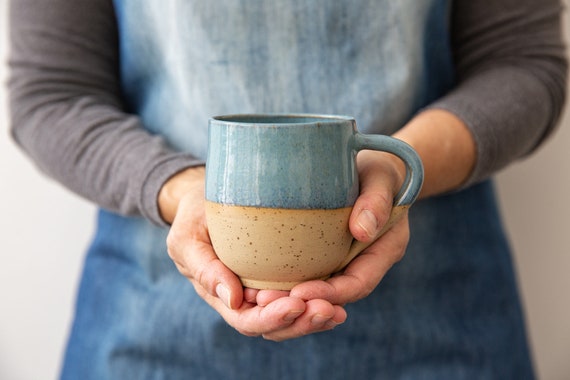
[{"x": 448, "y": 310}]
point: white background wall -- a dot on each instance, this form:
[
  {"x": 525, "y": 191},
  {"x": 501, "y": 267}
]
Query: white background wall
[{"x": 44, "y": 231}]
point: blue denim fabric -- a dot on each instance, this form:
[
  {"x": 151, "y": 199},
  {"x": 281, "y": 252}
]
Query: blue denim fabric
[
  {"x": 448, "y": 310},
  {"x": 186, "y": 61}
]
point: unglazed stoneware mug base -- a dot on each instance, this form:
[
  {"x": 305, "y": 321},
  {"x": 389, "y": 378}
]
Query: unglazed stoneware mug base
[
  {"x": 272, "y": 248},
  {"x": 267, "y": 247}
]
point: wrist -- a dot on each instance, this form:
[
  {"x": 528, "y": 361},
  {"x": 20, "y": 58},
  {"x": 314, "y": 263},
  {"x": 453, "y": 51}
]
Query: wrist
[
  {"x": 446, "y": 147},
  {"x": 188, "y": 181}
]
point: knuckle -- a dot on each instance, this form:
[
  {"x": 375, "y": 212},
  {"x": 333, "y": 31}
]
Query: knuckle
[
  {"x": 380, "y": 203},
  {"x": 172, "y": 244},
  {"x": 201, "y": 277},
  {"x": 365, "y": 291},
  {"x": 363, "y": 288},
  {"x": 377, "y": 199}
]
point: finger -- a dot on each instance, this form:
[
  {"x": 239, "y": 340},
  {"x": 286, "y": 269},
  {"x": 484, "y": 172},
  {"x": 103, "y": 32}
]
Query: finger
[
  {"x": 189, "y": 246},
  {"x": 319, "y": 316},
  {"x": 379, "y": 182},
  {"x": 363, "y": 274},
  {"x": 215, "y": 277},
  {"x": 265, "y": 297},
  {"x": 253, "y": 320},
  {"x": 250, "y": 295},
  {"x": 370, "y": 212}
]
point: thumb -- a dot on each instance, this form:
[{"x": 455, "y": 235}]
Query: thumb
[
  {"x": 370, "y": 213},
  {"x": 380, "y": 178}
]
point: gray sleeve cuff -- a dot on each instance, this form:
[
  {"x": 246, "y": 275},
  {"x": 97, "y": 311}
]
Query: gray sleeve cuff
[
  {"x": 157, "y": 176},
  {"x": 505, "y": 120}
]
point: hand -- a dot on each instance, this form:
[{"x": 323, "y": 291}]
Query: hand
[
  {"x": 380, "y": 177},
  {"x": 448, "y": 152},
  {"x": 276, "y": 317}
]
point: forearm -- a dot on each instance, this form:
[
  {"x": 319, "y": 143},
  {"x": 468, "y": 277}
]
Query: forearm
[
  {"x": 446, "y": 147},
  {"x": 511, "y": 77},
  {"x": 511, "y": 83},
  {"x": 67, "y": 110}
]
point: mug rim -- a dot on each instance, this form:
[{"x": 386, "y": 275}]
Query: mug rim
[{"x": 280, "y": 119}]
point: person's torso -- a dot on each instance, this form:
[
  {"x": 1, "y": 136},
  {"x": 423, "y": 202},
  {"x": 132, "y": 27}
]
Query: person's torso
[
  {"x": 186, "y": 61},
  {"x": 448, "y": 309}
]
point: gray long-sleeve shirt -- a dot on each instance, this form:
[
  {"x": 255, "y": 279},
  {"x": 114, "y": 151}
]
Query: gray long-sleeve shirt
[{"x": 69, "y": 114}]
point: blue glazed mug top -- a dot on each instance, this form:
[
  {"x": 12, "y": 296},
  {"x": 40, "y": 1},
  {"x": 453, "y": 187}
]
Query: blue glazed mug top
[{"x": 295, "y": 161}]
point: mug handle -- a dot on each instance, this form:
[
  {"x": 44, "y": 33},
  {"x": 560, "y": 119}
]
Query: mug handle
[{"x": 408, "y": 192}]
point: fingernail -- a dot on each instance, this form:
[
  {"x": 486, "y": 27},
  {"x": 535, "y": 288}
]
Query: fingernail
[
  {"x": 293, "y": 314},
  {"x": 368, "y": 222},
  {"x": 224, "y": 294},
  {"x": 331, "y": 324},
  {"x": 319, "y": 319}
]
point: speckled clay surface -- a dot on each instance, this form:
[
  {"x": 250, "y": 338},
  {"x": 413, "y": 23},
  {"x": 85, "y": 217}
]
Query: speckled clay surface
[{"x": 271, "y": 248}]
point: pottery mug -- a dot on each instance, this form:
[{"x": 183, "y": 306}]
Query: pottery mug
[{"x": 280, "y": 190}]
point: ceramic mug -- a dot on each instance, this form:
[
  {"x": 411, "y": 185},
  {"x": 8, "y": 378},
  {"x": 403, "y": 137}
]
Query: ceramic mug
[{"x": 280, "y": 190}]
